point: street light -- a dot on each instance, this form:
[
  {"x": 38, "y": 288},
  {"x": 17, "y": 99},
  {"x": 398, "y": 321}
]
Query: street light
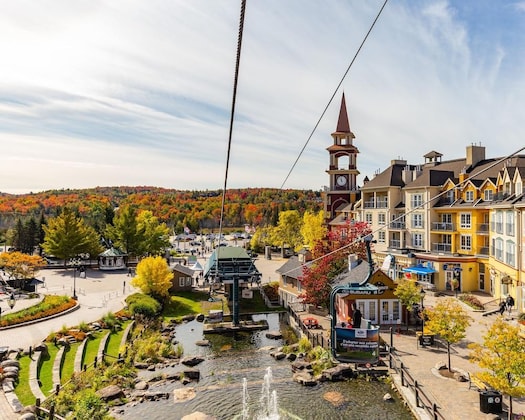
[
  {"x": 11, "y": 302},
  {"x": 422, "y": 295},
  {"x": 75, "y": 262}
]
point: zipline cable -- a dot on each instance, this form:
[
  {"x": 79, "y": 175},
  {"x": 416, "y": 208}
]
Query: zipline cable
[{"x": 333, "y": 94}]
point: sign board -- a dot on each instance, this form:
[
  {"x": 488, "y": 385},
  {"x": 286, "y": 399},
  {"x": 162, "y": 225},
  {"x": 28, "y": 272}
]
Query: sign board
[
  {"x": 247, "y": 294},
  {"x": 358, "y": 345}
]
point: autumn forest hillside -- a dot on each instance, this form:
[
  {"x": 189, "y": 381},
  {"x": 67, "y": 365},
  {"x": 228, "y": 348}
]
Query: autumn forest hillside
[{"x": 199, "y": 210}]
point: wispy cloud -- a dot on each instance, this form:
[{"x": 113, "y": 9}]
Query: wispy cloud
[{"x": 102, "y": 93}]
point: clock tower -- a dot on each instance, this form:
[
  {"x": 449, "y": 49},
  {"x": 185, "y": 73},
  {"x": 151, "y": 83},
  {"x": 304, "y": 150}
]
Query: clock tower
[{"x": 342, "y": 171}]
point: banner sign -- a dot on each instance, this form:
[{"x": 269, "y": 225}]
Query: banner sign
[{"x": 357, "y": 345}]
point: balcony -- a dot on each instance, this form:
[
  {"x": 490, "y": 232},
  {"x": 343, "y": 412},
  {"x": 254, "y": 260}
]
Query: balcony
[
  {"x": 394, "y": 243},
  {"x": 483, "y": 228},
  {"x": 442, "y": 226},
  {"x": 397, "y": 225},
  {"x": 441, "y": 247},
  {"x": 376, "y": 204},
  {"x": 484, "y": 250}
]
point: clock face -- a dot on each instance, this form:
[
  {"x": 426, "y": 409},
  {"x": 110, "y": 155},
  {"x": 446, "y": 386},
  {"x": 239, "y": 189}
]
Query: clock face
[{"x": 341, "y": 181}]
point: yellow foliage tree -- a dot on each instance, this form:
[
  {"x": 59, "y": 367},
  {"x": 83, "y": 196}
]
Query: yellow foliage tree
[
  {"x": 502, "y": 354},
  {"x": 313, "y": 228},
  {"x": 449, "y": 320},
  {"x": 21, "y": 266},
  {"x": 153, "y": 277}
]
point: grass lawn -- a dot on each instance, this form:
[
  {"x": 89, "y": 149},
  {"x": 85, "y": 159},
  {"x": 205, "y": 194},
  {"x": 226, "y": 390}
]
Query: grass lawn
[
  {"x": 22, "y": 390},
  {"x": 45, "y": 372},
  {"x": 69, "y": 363},
  {"x": 113, "y": 347},
  {"x": 185, "y": 303},
  {"x": 91, "y": 350},
  {"x": 191, "y": 303}
]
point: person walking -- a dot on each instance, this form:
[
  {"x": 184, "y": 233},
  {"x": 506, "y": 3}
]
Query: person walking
[
  {"x": 510, "y": 303},
  {"x": 356, "y": 318}
]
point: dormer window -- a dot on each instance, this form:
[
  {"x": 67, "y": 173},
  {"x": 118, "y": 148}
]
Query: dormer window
[
  {"x": 489, "y": 195},
  {"x": 469, "y": 196}
]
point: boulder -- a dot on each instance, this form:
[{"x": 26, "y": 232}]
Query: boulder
[
  {"x": 203, "y": 343},
  {"x": 301, "y": 365},
  {"x": 110, "y": 392},
  {"x": 188, "y": 318},
  {"x": 192, "y": 374},
  {"x": 274, "y": 335},
  {"x": 304, "y": 378},
  {"x": 141, "y": 365},
  {"x": 10, "y": 362},
  {"x": 141, "y": 386},
  {"x": 388, "y": 397},
  {"x": 338, "y": 373},
  {"x": 200, "y": 318},
  {"x": 28, "y": 416},
  {"x": 184, "y": 394},
  {"x": 278, "y": 355},
  {"x": 192, "y": 360},
  {"x": 291, "y": 357}
]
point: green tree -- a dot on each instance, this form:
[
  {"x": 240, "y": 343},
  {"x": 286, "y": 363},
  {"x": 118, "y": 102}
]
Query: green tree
[
  {"x": 313, "y": 228},
  {"x": 156, "y": 235},
  {"x": 449, "y": 320},
  {"x": 408, "y": 293},
  {"x": 153, "y": 277},
  {"x": 502, "y": 354},
  {"x": 288, "y": 230},
  {"x": 67, "y": 236},
  {"x": 125, "y": 233}
]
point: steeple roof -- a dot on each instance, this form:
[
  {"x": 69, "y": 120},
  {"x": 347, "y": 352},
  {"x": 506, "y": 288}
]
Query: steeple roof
[{"x": 343, "y": 126}]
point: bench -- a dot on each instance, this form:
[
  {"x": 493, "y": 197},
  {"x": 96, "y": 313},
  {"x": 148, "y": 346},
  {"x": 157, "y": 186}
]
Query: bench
[{"x": 473, "y": 381}]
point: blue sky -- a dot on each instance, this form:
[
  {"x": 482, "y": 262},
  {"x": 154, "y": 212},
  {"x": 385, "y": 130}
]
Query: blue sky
[{"x": 106, "y": 93}]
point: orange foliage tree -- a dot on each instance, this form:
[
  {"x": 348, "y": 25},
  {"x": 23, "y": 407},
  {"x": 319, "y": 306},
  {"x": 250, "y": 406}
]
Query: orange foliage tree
[{"x": 20, "y": 266}]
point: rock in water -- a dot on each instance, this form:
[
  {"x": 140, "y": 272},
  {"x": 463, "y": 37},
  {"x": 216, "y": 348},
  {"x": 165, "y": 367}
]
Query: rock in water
[
  {"x": 335, "y": 398},
  {"x": 387, "y": 397},
  {"x": 184, "y": 394}
]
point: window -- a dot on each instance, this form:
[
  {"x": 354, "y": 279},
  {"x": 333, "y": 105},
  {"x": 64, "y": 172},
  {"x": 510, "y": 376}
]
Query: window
[
  {"x": 488, "y": 195},
  {"x": 417, "y": 200},
  {"x": 469, "y": 196},
  {"x": 450, "y": 196},
  {"x": 417, "y": 240},
  {"x": 497, "y": 248},
  {"x": 181, "y": 281},
  {"x": 519, "y": 188},
  {"x": 510, "y": 255},
  {"x": 381, "y": 236},
  {"x": 497, "y": 222},
  {"x": 509, "y": 226},
  {"x": 464, "y": 221},
  {"x": 381, "y": 218},
  {"x": 417, "y": 220},
  {"x": 368, "y": 218},
  {"x": 466, "y": 242}
]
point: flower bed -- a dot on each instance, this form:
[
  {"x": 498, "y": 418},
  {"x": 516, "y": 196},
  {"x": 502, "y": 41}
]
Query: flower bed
[{"x": 50, "y": 305}]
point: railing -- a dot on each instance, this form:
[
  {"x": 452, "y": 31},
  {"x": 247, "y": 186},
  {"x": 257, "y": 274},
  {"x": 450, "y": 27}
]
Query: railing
[
  {"x": 376, "y": 204},
  {"x": 448, "y": 227},
  {"x": 483, "y": 228},
  {"x": 407, "y": 380},
  {"x": 441, "y": 247},
  {"x": 484, "y": 250},
  {"x": 397, "y": 225},
  {"x": 394, "y": 243},
  {"x": 317, "y": 339}
]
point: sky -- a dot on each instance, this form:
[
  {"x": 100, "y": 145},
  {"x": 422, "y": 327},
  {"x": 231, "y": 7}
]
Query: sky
[{"x": 113, "y": 92}]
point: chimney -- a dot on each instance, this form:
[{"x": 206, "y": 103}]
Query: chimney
[{"x": 475, "y": 154}]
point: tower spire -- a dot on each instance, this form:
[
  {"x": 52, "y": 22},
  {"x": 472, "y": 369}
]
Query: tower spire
[{"x": 343, "y": 126}]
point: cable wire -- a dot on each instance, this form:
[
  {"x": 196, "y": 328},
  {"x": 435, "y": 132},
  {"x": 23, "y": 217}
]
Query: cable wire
[{"x": 333, "y": 94}]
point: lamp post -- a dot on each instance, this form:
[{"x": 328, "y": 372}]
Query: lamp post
[
  {"x": 75, "y": 262},
  {"x": 11, "y": 302},
  {"x": 422, "y": 295}
]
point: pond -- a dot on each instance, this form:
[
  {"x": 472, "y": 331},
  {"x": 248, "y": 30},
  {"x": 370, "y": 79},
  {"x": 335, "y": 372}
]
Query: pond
[{"x": 240, "y": 380}]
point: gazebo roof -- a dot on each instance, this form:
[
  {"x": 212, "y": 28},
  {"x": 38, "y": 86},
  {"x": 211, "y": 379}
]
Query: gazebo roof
[{"x": 112, "y": 252}]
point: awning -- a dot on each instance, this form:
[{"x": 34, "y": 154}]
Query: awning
[{"x": 419, "y": 270}]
